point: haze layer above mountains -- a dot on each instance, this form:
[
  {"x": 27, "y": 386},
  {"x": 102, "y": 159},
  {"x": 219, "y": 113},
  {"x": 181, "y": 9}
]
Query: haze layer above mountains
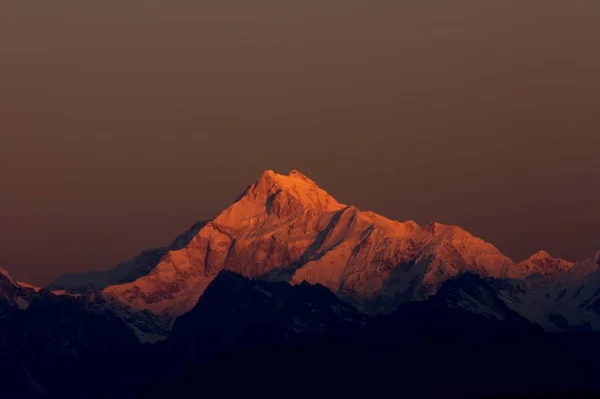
[{"x": 122, "y": 122}]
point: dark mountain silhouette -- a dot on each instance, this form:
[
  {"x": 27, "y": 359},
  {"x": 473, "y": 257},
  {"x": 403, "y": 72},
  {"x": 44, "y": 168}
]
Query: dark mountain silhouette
[
  {"x": 63, "y": 346},
  {"x": 254, "y": 337},
  {"x": 424, "y": 349}
]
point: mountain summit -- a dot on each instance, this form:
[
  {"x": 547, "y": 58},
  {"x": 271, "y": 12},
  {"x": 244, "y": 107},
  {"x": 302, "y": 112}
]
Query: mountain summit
[
  {"x": 286, "y": 228},
  {"x": 543, "y": 264},
  {"x": 279, "y": 195}
]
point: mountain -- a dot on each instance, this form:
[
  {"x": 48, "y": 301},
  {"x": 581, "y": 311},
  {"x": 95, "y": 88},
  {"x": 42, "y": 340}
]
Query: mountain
[
  {"x": 286, "y": 228},
  {"x": 17, "y": 296},
  {"x": 543, "y": 264},
  {"x": 237, "y": 314},
  {"x": 472, "y": 344},
  {"x": 256, "y": 337},
  {"x": 14, "y": 295},
  {"x": 565, "y": 301},
  {"x": 125, "y": 272},
  {"x": 288, "y": 288},
  {"x": 248, "y": 336},
  {"x": 475, "y": 295},
  {"x": 58, "y": 345},
  {"x": 277, "y": 334}
]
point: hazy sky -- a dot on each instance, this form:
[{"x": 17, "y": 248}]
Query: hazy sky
[{"x": 124, "y": 122}]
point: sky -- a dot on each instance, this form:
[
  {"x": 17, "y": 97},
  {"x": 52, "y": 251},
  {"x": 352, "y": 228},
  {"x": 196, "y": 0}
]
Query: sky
[{"x": 124, "y": 122}]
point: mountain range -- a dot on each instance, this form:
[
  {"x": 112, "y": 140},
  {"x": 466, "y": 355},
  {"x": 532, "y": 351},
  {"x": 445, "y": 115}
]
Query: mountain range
[
  {"x": 286, "y": 228},
  {"x": 287, "y": 269}
]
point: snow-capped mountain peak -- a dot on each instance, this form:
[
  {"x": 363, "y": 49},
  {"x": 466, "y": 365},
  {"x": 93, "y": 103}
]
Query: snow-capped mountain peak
[
  {"x": 543, "y": 264},
  {"x": 540, "y": 255},
  {"x": 285, "y": 227},
  {"x": 279, "y": 195}
]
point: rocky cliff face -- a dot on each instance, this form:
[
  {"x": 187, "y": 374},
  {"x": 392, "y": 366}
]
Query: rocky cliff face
[{"x": 285, "y": 227}]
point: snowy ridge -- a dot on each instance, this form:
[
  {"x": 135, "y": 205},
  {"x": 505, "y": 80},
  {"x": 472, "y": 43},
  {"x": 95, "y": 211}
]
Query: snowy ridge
[
  {"x": 543, "y": 264},
  {"x": 125, "y": 272}
]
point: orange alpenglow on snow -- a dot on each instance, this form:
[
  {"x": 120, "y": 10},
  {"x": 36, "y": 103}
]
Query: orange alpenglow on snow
[
  {"x": 285, "y": 227},
  {"x": 544, "y": 264}
]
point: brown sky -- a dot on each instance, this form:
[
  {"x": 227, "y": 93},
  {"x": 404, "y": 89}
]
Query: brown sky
[{"x": 124, "y": 122}]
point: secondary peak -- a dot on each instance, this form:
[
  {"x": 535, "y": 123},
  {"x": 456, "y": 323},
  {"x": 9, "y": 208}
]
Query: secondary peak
[{"x": 540, "y": 255}]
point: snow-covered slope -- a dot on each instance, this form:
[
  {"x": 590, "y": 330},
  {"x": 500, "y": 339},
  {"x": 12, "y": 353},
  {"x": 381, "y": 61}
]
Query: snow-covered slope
[
  {"x": 15, "y": 296},
  {"x": 129, "y": 270},
  {"x": 543, "y": 264},
  {"x": 284, "y": 227},
  {"x": 472, "y": 293},
  {"x": 125, "y": 272},
  {"x": 567, "y": 300}
]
